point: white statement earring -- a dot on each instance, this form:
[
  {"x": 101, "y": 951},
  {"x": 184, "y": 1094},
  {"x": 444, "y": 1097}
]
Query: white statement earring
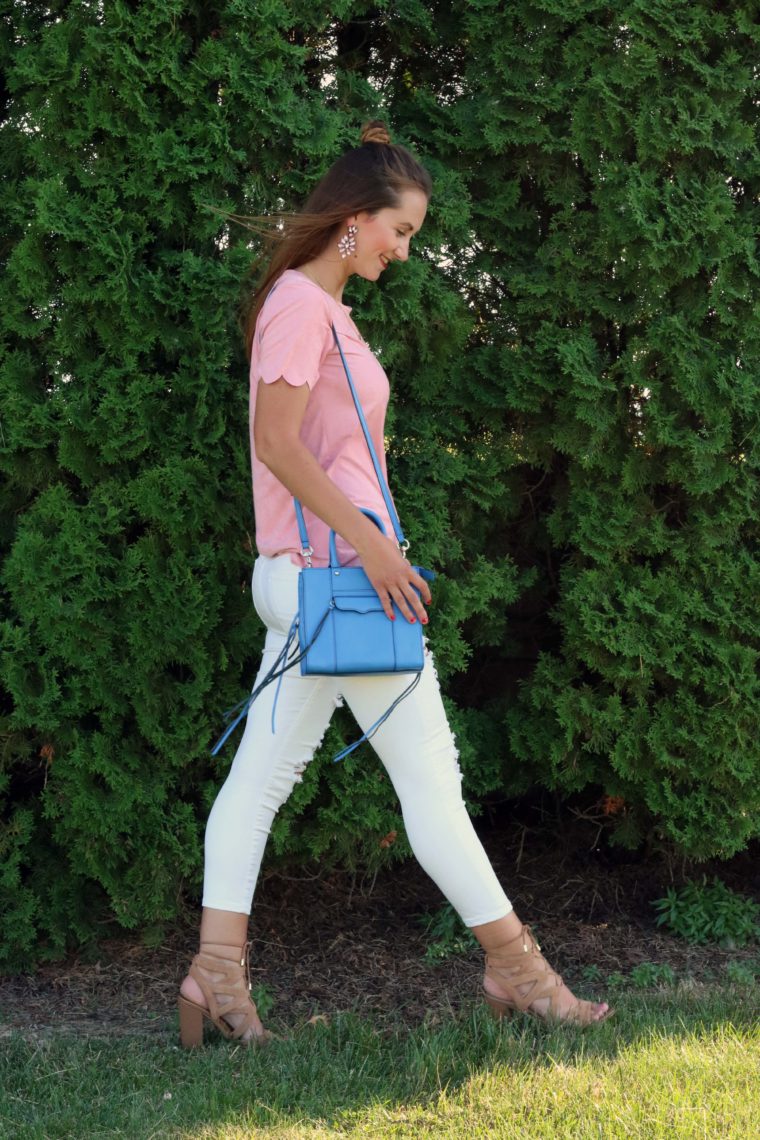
[{"x": 347, "y": 244}]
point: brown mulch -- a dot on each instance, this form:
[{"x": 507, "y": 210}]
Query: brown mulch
[{"x": 327, "y": 941}]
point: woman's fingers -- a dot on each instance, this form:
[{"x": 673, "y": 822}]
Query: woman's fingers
[
  {"x": 406, "y": 596},
  {"x": 387, "y": 603},
  {"x": 410, "y": 605},
  {"x": 423, "y": 587},
  {"x": 396, "y": 581}
]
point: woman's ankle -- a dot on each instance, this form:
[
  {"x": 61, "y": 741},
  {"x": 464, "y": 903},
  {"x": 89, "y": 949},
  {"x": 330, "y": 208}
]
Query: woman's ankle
[
  {"x": 223, "y": 927},
  {"x": 493, "y": 936},
  {"x": 223, "y": 950}
]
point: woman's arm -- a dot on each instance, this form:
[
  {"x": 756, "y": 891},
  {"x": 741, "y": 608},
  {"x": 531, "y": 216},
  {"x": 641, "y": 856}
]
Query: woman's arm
[{"x": 279, "y": 412}]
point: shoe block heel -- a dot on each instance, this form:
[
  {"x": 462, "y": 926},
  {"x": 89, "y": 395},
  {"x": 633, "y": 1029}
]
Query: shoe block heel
[
  {"x": 190, "y": 1024},
  {"x": 498, "y": 1008}
]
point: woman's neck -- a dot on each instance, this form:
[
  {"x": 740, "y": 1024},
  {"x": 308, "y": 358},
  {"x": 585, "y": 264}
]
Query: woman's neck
[{"x": 331, "y": 274}]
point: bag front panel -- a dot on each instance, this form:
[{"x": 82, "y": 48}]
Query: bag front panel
[{"x": 356, "y": 637}]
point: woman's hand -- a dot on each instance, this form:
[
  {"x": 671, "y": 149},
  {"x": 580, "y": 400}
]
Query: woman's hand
[{"x": 392, "y": 576}]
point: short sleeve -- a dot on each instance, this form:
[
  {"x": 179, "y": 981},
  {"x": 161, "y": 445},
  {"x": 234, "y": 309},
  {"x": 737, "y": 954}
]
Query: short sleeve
[{"x": 292, "y": 336}]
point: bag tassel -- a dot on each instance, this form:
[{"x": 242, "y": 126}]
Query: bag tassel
[
  {"x": 276, "y": 673},
  {"x": 380, "y": 721},
  {"x": 280, "y": 667}
]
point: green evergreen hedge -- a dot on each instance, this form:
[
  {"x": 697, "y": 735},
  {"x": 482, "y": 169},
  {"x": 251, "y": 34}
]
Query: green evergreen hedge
[{"x": 574, "y": 355}]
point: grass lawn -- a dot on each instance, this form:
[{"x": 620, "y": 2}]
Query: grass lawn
[{"x": 674, "y": 1062}]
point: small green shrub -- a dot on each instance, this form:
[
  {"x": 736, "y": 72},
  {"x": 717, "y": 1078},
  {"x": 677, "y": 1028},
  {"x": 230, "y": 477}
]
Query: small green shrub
[
  {"x": 263, "y": 998},
  {"x": 652, "y": 974},
  {"x": 743, "y": 973},
  {"x": 616, "y": 980},
  {"x": 450, "y": 935},
  {"x": 709, "y": 912}
]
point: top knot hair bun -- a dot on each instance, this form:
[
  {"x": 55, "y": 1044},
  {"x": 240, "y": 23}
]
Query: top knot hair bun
[
  {"x": 364, "y": 179},
  {"x": 376, "y": 132}
]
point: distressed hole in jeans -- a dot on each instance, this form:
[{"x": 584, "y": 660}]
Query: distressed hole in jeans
[
  {"x": 455, "y": 757},
  {"x": 454, "y": 749},
  {"x": 301, "y": 768}
]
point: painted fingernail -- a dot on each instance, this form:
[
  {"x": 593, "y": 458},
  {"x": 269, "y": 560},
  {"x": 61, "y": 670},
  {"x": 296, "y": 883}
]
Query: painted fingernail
[
  {"x": 424, "y": 621},
  {"x": 413, "y": 621},
  {"x": 392, "y": 617}
]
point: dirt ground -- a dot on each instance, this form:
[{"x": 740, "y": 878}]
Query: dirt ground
[{"x": 325, "y": 941}]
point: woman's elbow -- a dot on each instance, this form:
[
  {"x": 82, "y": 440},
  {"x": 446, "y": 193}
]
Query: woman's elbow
[
  {"x": 272, "y": 448},
  {"x": 266, "y": 449}
]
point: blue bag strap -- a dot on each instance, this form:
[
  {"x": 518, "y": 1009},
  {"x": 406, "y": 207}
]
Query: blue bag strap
[
  {"x": 380, "y": 721},
  {"x": 371, "y": 448},
  {"x": 306, "y": 549}
]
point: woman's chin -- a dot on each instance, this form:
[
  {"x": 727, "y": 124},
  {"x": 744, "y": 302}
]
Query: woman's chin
[{"x": 369, "y": 273}]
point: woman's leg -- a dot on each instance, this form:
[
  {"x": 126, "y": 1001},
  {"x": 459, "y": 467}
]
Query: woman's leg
[
  {"x": 418, "y": 750},
  {"x": 265, "y": 769},
  {"x": 419, "y": 753}
]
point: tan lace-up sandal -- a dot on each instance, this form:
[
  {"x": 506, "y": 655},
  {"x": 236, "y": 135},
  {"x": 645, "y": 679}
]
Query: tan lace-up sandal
[
  {"x": 225, "y": 984},
  {"x": 520, "y": 963}
]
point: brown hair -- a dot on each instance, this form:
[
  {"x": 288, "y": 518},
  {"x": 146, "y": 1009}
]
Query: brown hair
[{"x": 369, "y": 178}]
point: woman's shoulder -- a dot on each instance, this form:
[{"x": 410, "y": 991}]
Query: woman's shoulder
[
  {"x": 296, "y": 296},
  {"x": 296, "y": 301},
  {"x": 292, "y": 285}
]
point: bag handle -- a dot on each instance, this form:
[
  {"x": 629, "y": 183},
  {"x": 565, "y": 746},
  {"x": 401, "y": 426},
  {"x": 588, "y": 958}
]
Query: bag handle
[{"x": 306, "y": 549}]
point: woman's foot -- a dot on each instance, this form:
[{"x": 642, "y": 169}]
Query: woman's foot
[
  {"x": 519, "y": 979},
  {"x": 217, "y": 986},
  {"x": 565, "y": 1007}
]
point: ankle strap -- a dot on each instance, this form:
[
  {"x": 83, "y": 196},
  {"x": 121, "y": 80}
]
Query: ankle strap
[
  {"x": 525, "y": 938},
  {"x": 220, "y": 950}
]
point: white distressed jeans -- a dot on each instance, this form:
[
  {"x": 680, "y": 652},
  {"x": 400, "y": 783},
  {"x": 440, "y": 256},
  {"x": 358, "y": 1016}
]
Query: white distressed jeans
[{"x": 415, "y": 744}]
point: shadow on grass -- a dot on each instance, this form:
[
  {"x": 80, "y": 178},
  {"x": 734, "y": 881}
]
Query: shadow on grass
[{"x": 322, "y": 1076}]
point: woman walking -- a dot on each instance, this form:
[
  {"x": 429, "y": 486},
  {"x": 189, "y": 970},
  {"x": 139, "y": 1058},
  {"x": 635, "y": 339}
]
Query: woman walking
[{"x": 307, "y": 443}]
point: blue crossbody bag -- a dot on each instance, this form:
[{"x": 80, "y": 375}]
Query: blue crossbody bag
[{"x": 340, "y": 628}]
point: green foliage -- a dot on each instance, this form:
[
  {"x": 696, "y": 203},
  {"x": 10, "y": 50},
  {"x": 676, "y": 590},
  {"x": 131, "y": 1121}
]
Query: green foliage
[
  {"x": 709, "y": 912},
  {"x": 648, "y": 974},
  {"x": 572, "y": 437},
  {"x": 644, "y": 976},
  {"x": 743, "y": 973},
  {"x": 450, "y": 937},
  {"x": 613, "y": 266},
  {"x": 263, "y": 999},
  {"x": 616, "y": 980}
]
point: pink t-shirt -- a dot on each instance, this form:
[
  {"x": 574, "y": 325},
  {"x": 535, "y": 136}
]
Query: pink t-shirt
[{"x": 294, "y": 340}]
